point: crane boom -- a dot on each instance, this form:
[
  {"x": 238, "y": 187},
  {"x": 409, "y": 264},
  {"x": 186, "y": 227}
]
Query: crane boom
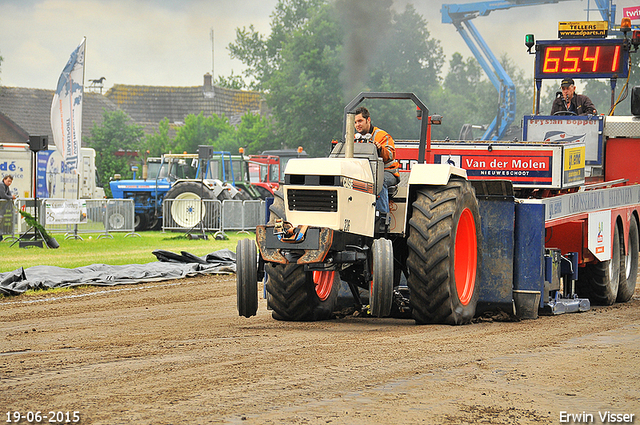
[{"x": 460, "y": 15}]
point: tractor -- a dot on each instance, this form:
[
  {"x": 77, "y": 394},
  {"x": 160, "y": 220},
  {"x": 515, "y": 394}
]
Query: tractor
[{"x": 323, "y": 230}]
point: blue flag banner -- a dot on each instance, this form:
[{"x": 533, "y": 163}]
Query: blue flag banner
[{"x": 66, "y": 109}]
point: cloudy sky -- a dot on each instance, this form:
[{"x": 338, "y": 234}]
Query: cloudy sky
[{"x": 167, "y": 43}]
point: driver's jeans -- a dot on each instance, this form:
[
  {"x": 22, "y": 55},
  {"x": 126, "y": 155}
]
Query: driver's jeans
[{"x": 382, "y": 201}]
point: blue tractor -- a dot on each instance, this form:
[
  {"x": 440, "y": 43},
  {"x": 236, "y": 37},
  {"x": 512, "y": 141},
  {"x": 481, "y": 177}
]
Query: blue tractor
[{"x": 183, "y": 176}]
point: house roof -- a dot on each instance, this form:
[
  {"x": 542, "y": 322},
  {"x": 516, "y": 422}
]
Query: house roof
[
  {"x": 30, "y": 109},
  {"x": 27, "y": 111},
  {"x": 10, "y": 131},
  {"x": 148, "y": 105}
]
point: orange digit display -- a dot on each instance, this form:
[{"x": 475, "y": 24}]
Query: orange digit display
[
  {"x": 592, "y": 59},
  {"x": 614, "y": 63},
  {"x": 569, "y": 58},
  {"x": 551, "y": 60}
]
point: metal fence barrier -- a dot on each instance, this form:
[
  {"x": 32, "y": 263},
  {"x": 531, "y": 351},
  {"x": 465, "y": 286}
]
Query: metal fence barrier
[
  {"x": 120, "y": 216},
  {"x": 103, "y": 216},
  {"x": 106, "y": 216},
  {"x": 181, "y": 214},
  {"x": 7, "y": 219},
  {"x": 242, "y": 215},
  {"x": 216, "y": 216}
]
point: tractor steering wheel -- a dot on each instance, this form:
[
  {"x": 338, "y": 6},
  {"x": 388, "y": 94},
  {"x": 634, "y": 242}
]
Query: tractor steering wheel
[{"x": 565, "y": 113}]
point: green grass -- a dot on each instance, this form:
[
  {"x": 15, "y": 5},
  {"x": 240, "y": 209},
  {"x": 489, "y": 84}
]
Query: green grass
[{"x": 117, "y": 251}]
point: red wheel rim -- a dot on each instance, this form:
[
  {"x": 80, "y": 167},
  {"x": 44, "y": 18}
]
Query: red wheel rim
[
  {"x": 466, "y": 257},
  {"x": 323, "y": 282}
]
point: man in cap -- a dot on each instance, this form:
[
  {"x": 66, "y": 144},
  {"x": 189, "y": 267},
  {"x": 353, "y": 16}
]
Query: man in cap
[{"x": 570, "y": 101}]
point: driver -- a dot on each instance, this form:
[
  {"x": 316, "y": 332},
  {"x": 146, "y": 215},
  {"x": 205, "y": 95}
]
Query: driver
[
  {"x": 366, "y": 132},
  {"x": 570, "y": 101}
]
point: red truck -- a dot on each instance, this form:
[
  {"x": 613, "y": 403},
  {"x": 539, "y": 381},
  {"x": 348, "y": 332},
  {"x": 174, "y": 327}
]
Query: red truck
[{"x": 267, "y": 169}]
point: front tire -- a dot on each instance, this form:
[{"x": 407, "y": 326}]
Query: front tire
[
  {"x": 242, "y": 195},
  {"x": 264, "y": 192},
  {"x": 297, "y": 295},
  {"x": 444, "y": 254},
  {"x": 247, "y": 277},
  {"x": 381, "y": 286}
]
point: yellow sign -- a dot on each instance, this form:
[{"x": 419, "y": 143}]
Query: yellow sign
[
  {"x": 574, "y": 159},
  {"x": 584, "y": 29}
]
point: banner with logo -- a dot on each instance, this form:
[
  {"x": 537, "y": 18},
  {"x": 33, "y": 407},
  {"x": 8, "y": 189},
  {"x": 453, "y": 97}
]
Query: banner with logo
[
  {"x": 66, "y": 108},
  {"x": 583, "y": 128},
  {"x": 66, "y": 211}
]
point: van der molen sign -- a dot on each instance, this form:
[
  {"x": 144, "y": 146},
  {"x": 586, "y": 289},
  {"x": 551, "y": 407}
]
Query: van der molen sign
[{"x": 585, "y": 29}]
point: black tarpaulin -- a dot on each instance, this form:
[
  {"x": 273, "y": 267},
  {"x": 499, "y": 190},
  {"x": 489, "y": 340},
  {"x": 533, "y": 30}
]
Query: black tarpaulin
[{"x": 169, "y": 266}]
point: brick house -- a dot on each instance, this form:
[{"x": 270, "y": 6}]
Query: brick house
[
  {"x": 26, "y": 111},
  {"x": 148, "y": 105}
]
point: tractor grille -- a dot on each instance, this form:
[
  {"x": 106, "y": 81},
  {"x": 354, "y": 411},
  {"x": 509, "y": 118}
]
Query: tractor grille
[{"x": 312, "y": 200}]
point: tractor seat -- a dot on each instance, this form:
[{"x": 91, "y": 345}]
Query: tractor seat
[{"x": 393, "y": 190}]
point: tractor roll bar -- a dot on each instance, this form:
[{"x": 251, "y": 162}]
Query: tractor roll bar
[{"x": 350, "y": 109}]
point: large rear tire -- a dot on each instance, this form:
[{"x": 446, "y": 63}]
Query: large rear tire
[
  {"x": 381, "y": 286},
  {"x": 155, "y": 223},
  {"x": 444, "y": 254},
  {"x": 242, "y": 195},
  {"x": 247, "y": 277},
  {"x": 224, "y": 195},
  {"x": 186, "y": 209},
  {"x": 264, "y": 192},
  {"x": 297, "y": 295},
  {"x": 629, "y": 265},
  {"x": 140, "y": 222},
  {"x": 600, "y": 281}
]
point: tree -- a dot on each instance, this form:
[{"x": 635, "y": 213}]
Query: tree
[
  {"x": 468, "y": 97},
  {"x": 233, "y": 81},
  {"x": 159, "y": 142},
  {"x": 402, "y": 57},
  {"x": 201, "y": 130},
  {"x": 320, "y": 54},
  {"x": 262, "y": 54},
  {"x": 305, "y": 92},
  {"x": 255, "y": 134},
  {"x": 465, "y": 98},
  {"x": 116, "y": 133}
]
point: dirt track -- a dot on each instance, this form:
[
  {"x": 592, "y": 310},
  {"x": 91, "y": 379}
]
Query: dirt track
[{"x": 177, "y": 352}]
